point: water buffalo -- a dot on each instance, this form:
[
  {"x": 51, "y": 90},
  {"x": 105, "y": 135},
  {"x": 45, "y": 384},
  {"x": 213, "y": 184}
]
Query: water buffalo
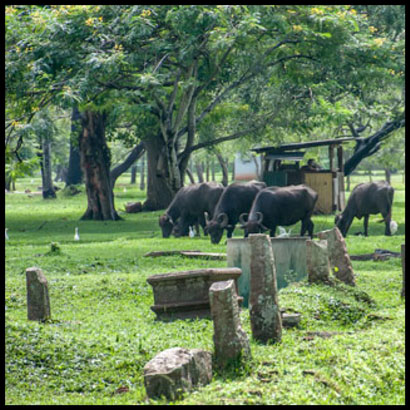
[
  {"x": 188, "y": 207},
  {"x": 236, "y": 199},
  {"x": 365, "y": 199},
  {"x": 283, "y": 206}
]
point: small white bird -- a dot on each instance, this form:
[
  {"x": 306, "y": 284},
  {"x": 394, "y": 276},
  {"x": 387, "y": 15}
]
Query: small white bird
[
  {"x": 76, "y": 235},
  {"x": 283, "y": 233},
  {"x": 191, "y": 232},
  {"x": 125, "y": 189},
  {"x": 7, "y": 237},
  {"x": 393, "y": 227}
]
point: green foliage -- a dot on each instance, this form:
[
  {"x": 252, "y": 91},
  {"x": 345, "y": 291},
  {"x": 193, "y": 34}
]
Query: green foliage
[{"x": 102, "y": 331}]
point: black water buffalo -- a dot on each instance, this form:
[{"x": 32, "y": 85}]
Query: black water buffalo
[
  {"x": 365, "y": 199},
  {"x": 188, "y": 207},
  {"x": 283, "y": 206},
  {"x": 236, "y": 199}
]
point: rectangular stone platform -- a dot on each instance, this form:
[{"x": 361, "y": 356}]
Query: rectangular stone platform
[{"x": 182, "y": 295}]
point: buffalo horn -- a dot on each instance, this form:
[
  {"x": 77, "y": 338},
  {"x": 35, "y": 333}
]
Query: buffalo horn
[
  {"x": 223, "y": 219},
  {"x": 242, "y": 220},
  {"x": 206, "y": 217},
  {"x": 259, "y": 216}
]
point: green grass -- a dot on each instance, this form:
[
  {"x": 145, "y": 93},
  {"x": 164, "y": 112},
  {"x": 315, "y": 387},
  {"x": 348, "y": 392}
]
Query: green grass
[{"x": 103, "y": 332}]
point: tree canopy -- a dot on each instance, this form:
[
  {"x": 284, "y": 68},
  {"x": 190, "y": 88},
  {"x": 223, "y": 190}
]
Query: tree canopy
[{"x": 183, "y": 78}]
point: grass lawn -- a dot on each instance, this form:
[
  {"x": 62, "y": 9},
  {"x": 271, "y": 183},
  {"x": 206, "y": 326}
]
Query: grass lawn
[{"x": 103, "y": 332}]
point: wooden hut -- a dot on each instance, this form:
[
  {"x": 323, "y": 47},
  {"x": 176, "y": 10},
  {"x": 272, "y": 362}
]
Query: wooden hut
[{"x": 281, "y": 167}]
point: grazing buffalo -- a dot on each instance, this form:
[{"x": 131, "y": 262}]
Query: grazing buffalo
[
  {"x": 188, "y": 207},
  {"x": 365, "y": 199},
  {"x": 236, "y": 199},
  {"x": 283, "y": 206}
]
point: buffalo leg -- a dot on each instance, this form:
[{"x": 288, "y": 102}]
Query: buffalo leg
[
  {"x": 366, "y": 224},
  {"x": 272, "y": 232},
  {"x": 310, "y": 228},
  {"x": 229, "y": 232}
]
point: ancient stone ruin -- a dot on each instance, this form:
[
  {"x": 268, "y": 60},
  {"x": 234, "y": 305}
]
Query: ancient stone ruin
[
  {"x": 266, "y": 322},
  {"x": 318, "y": 265},
  {"x": 231, "y": 343},
  {"x": 177, "y": 370},
  {"x": 289, "y": 256},
  {"x": 38, "y": 301},
  {"x": 338, "y": 256},
  {"x": 182, "y": 295}
]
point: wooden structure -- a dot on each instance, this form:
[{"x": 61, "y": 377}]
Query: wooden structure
[{"x": 281, "y": 167}]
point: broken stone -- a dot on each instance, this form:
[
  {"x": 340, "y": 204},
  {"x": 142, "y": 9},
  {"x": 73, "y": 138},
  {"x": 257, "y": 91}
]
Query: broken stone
[
  {"x": 38, "y": 301},
  {"x": 338, "y": 256},
  {"x": 317, "y": 261},
  {"x": 133, "y": 207},
  {"x": 290, "y": 319},
  {"x": 230, "y": 340},
  {"x": 177, "y": 370},
  {"x": 266, "y": 322}
]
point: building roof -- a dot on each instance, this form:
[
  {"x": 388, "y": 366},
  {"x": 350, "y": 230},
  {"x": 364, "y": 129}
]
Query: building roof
[
  {"x": 290, "y": 156},
  {"x": 302, "y": 145}
]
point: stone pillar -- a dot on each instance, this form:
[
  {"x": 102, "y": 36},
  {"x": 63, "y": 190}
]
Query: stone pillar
[
  {"x": 338, "y": 256},
  {"x": 38, "y": 301},
  {"x": 266, "y": 321},
  {"x": 403, "y": 259},
  {"x": 317, "y": 261},
  {"x": 177, "y": 370},
  {"x": 230, "y": 340}
]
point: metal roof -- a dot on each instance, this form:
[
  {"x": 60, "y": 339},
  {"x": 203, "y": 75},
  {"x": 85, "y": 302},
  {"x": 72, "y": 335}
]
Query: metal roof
[
  {"x": 290, "y": 156},
  {"x": 301, "y": 145}
]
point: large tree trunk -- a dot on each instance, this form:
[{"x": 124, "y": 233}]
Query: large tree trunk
[
  {"x": 136, "y": 153},
  {"x": 95, "y": 162},
  {"x": 159, "y": 187},
  {"x": 45, "y": 163},
  {"x": 74, "y": 172}
]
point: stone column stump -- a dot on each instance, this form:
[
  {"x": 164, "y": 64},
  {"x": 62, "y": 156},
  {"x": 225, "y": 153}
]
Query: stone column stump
[
  {"x": 38, "y": 301},
  {"x": 266, "y": 321},
  {"x": 177, "y": 370},
  {"x": 317, "y": 260},
  {"x": 338, "y": 256},
  {"x": 230, "y": 340}
]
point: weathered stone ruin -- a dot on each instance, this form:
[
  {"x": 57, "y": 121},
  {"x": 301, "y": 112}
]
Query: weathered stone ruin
[
  {"x": 318, "y": 265},
  {"x": 266, "y": 322},
  {"x": 289, "y": 256},
  {"x": 182, "y": 295},
  {"x": 231, "y": 343},
  {"x": 338, "y": 256},
  {"x": 175, "y": 371},
  {"x": 38, "y": 301}
]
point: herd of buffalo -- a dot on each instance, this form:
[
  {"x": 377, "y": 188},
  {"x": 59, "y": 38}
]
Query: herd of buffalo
[{"x": 259, "y": 208}]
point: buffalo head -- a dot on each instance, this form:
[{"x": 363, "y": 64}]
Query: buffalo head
[
  {"x": 253, "y": 226},
  {"x": 215, "y": 227},
  {"x": 342, "y": 224},
  {"x": 167, "y": 224}
]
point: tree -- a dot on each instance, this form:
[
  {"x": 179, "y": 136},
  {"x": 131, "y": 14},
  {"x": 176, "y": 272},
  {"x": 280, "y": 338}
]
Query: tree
[{"x": 260, "y": 72}]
